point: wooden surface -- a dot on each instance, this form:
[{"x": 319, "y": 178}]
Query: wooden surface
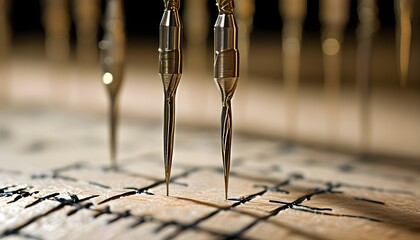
[{"x": 55, "y": 184}]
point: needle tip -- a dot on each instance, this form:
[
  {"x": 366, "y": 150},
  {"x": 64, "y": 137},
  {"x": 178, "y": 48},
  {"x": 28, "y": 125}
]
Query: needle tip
[
  {"x": 226, "y": 187},
  {"x": 226, "y": 141},
  {"x": 113, "y": 162},
  {"x": 167, "y": 187},
  {"x": 169, "y": 127}
]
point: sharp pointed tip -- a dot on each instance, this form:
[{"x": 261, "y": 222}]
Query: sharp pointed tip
[
  {"x": 167, "y": 181},
  {"x": 226, "y": 143},
  {"x": 113, "y": 163},
  {"x": 113, "y": 121},
  {"x": 169, "y": 127},
  {"x": 226, "y": 178},
  {"x": 167, "y": 188},
  {"x": 113, "y": 166},
  {"x": 226, "y": 186}
]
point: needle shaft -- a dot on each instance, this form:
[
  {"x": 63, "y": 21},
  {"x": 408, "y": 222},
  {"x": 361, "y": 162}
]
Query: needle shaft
[
  {"x": 170, "y": 70},
  {"x": 226, "y": 134},
  {"x": 366, "y": 29},
  {"x": 333, "y": 16},
  {"x": 226, "y": 73},
  {"x": 403, "y": 9},
  {"x": 113, "y": 122},
  {"x": 112, "y": 55},
  {"x": 169, "y": 128}
]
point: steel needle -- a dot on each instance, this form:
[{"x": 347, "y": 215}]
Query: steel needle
[
  {"x": 367, "y": 11},
  {"x": 170, "y": 70},
  {"x": 112, "y": 55},
  {"x": 293, "y": 13},
  {"x": 333, "y": 16},
  {"x": 404, "y": 14},
  {"x": 226, "y": 73}
]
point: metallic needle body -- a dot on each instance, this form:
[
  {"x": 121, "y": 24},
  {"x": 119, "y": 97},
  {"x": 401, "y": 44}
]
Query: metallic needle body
[
  {"x": 293, "y": 13},
  {"x": 226, "y": 73},
  {"x": 404, "y": 14},
  {"x": 113, "y": 55},
  {"x": 333, "y": 16},
  {"x": 170, "y": 70},
  {"x": 367, "y": 11}
]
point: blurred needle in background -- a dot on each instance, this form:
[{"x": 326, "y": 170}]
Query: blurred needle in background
[
  {"x": 367, "y": 11},
  {"x": 403, "y": 10},
  {"x": 293, "y": 13},
  {"x": 333, "y": 16},
  {"x": 113, "y": 55}
]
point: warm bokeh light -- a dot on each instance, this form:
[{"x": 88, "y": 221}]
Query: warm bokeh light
[
  {"x": 107, "y": 78},
  {"x": 330, "y": 46}
]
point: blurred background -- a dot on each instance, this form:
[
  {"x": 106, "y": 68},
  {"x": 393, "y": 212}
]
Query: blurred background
[{"x": 338, "y": 74}]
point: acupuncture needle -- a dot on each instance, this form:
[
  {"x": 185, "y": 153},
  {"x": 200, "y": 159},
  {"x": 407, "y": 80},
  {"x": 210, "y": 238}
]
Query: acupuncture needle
[
  {"x": 112, "y": 56},
  {"x": 367, "y": 11},
  {"x": 226, "y": 74},
  {"x": 293, "y": 13},
  {"x": 404, "y": 9},
  {"x": 170, "y": 70},
  {"x": 333, "y": 16}
]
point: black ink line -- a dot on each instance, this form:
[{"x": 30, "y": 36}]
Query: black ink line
[
  {"x": 369, "y": 188},
  {"x": 192, "y": 226},
  {"x": 245, "y": 199},
  {"x": 12, "y": 192},
  {"x": 180, "y": 183},
  {"x": 79, "y": 207},
  {"x": 73, "y": 201},
  {"x": 54, "y": 175},
  {"x": 15, "y": 230},
  {"x": 369, "y": 200},
  {"x": 296, "y": 176},
  {"x": 21, "y": 195},
  {"x": 345, "y": 168},
  {"x": 42, "y": 199},
  {"x": 304, "y": 207},
  {"x": 145, "y": 190},
  {"x": 300, "y": 206},
  {"x": 141, "y": 190},
  {"x": 99, "y": 185},
  {"x": 338, "y": 215},
  {"x": 141, "y": 220},
  {"x": 28, "y": 236},
  {"x": 375, "y": 189},
  {"x": 328, "y": 189},
  {"x": 126, "y": 194},
  {"x": 239, "y": 201},
  {"x": 102, "y": 211},
  {"x": 120, "y": 216},
  {"x": 74, "y": 166},
  {"x": 5, "y": 188}
]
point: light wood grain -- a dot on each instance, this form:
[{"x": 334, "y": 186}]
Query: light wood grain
[{"x": 277, "y": 190}]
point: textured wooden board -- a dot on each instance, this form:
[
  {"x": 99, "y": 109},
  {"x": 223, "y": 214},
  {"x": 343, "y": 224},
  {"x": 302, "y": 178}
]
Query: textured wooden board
[{"x": 55, "y": 184}]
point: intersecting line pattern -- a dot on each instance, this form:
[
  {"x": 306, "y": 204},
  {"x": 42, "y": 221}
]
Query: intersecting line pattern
[{"x": 277, "y": 189}]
